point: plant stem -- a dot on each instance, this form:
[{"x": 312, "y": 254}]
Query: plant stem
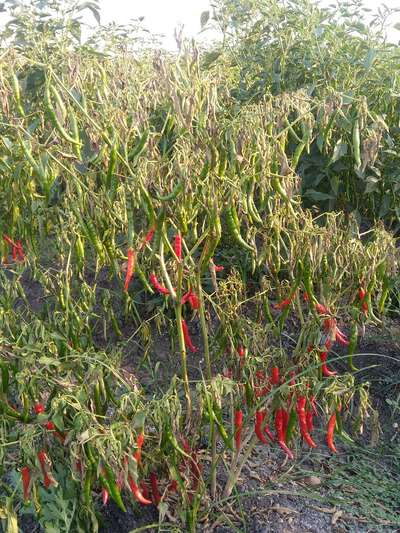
[{"x": 181, "y": 340}]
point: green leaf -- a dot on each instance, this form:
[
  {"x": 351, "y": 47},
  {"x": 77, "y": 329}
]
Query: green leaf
[{"x": 318, "y": 196}]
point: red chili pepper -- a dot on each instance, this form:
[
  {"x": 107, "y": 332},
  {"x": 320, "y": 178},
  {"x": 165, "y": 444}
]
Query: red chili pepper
[
  {"x": 325, "y": 370},
  {"x": 238, "y": 427},
  {"x": 285, "y": 421},
  {"x": 9, "y": 241},
  {"x": 341, "y": 337},
  {"x": 260, "y": 416},
  {"x": 144, "y": 489},
  {"x": 227, "y": 373},
  {"x": 269, "y": 434},
  {"x": 173, "y": 486},
  {"x": 280, "y": 433},
  {"x": 129, "y": 269},
  {"x": 275, "y": 376},
  {"x": 301, "y": 413},
  {"x": 313, "y": 406},
  {"x": 178, "y": 246},
  {"x": 330, "y": 431},
  {"x": 139, "y": 444},
  {"x": 26, "y": 482},
  {"x": 20, "y": 251},
  {"x": 194, "y": 301},
  {"x": 136, "y": 492},
  {"x": 50, "y": 425},
  {"x": 14, "y": 253},
  {"x": 45, "y": 465},
  {"x": 154, "y": 488},
  {"x": 104, "y": 495},
  {"x": 150, "y": 234},
  {"x": 188, "y": 340},
  {"x": 156, "y": 284},
  {"x": 321, "y": 309},
  {"x": 309, "y": 420},
  {"x": 39, "y": 408},
  {"x": 191, "y": 297},
  {"x": 241, "y": 351},
  {"x": 283, "y": 304},
  {"x": 306, "y": 298},
  {"x": 328, "y": 344}
]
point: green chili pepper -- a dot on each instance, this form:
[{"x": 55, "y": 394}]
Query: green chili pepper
[
  {"x": 291, "y": 425},
  {"x": 174, "y": 194},
  {"x": 87, "y": 487},
  {"x": 113, "y": 489},
  {"x": 53, "y": 115},
  {"x": 356, "y": 144},
  {"x": 17, "y": 94},
  {"x": 233, "y": 226},
  {"x": 139, "y": 148}
]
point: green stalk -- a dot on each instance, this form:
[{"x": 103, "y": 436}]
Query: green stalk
[{"x": 181, "y": 340}]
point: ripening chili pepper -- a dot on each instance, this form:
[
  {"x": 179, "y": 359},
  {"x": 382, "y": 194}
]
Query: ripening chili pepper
[
  {"x": 275, "y": 376},
  {"x": 306, "y": 298},
  {"x": 301, "y": 413},
  {"x": 154, "y": 488},
  {"x": 154, "y": 281},
  {"x": 39, "y": 408},
  {"x": 104, "y": 495},
  {"x": 137, "y": 492},
  {"x": 26, "y": 482},
  {"x": 238, "y": 428},
  {"x": 186, "y": 336},
  {"x": 139, "y": 444},
  {"x": 326, "y": 372},
  {"x": 260, "y": 415},
  {"x": 330, "y": 431},
  {"x": 178, "y": 246},
  {"x": 129, "y": 268},
  {"x": 280, "y": 433}
]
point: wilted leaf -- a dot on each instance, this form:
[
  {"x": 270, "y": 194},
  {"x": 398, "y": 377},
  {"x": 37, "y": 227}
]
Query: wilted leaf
[
  {"x": 204, "y": 18},
  {"x": 339, "y": 151}
]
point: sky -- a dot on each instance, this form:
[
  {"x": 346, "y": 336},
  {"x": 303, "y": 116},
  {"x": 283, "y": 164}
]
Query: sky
[{"x": 162, "y": 16}]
